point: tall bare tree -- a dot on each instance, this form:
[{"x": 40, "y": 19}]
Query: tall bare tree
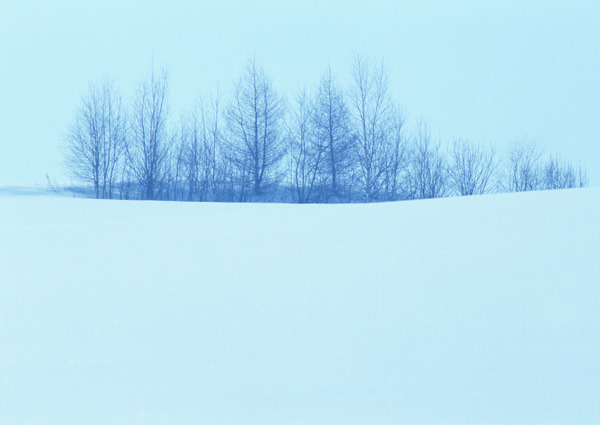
[
  {"x": 306, "y": 153},
  {"x": 96, "y": 140},
  {"x": 332, "y": 128},
  {"x": 148, "y": 150},
  {"x": 194, "y": 133},
  {"x": 203, "y": 160},
  {"x": 172, "y": 184},
  {"x": 372, "y": 123},
  {"x": 427, "y": 168},
  {"x": 256, "y": 140},
  {"x": 396, "y": 161}
]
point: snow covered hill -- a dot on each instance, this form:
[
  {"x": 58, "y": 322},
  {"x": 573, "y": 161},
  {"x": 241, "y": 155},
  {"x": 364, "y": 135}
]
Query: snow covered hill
[{"x": 478, "y": 310}]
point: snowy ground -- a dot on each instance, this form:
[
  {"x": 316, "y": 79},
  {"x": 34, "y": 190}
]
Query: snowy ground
[{"x": 480, "y": 310}]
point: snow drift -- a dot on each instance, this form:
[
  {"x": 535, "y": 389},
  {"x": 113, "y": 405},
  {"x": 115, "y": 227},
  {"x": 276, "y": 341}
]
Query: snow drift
[{"x": 478, "y": 310}]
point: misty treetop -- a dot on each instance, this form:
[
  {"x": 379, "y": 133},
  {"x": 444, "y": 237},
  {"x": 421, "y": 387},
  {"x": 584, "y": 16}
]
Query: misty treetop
[{"x": 336, "y": 144}]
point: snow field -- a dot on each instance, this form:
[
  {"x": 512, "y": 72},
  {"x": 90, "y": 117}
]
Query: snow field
[{"x": 478, "y": 310}]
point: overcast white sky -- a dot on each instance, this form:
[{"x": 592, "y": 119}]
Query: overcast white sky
[{"x": 490, "y": 71}]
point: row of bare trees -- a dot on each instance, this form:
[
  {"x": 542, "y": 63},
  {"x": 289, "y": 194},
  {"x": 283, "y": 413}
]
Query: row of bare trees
[{"x": 336, "y": 144}]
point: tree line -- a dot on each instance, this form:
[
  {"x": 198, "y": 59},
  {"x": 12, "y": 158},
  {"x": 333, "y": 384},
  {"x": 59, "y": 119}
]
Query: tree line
[{"x": 335, "y": 144}]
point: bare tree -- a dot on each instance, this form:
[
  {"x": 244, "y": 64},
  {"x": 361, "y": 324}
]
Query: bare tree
[
  {"x": 254, "y": 124},
  {"x": 307, "y": 151},
  {"x": 148, "y": 150},
  {"x": 372, "y": 122},
  {"x": 194, "y": 134},
  {"x": 557, "y": 174},
  {"x": 331, "y": 123},
  {"x": 471, "y": 169},
  {"x": 216, "y": 166},
  {"x": 126, "y": 180},
  {"x": 96, "y": 140},
  {"x": 172, "y": 184},
  {"x": 523, "y": 172},
  {"x": 396, "y": 160},
  {"x": 427, "y": 168},
  {"x": 203, "y": 160},
  {"x": 526, "y": 171}
]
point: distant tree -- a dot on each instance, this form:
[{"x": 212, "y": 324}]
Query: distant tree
[
  {"x": 126, "y": 180},
  {"x": 197, "y": 156},
  {"x": 526, "y": 171},
  {"x": 149, "y": 147},
  {"x": 523, "y": 171},
  {"x": 557, "y": 174},
  {"x": 203, "y": 157},
  {"x": 372, "y": 123},
  {"x": 307, "y": 151},
  {"x": 331, "y": 124},
  {"x": 427, "y": 169},
  {"x": 396, "y": 161},
  {"x": 256, "y": 142},
  {"x": 216, "y": 166},
  {"x": 172, "y": 185},
  {"x": 471, "y": 169},
  {"x": 96, "y": 140}
]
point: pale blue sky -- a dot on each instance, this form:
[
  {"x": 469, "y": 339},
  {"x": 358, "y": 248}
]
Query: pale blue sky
[{"x": 490, "y": 71}]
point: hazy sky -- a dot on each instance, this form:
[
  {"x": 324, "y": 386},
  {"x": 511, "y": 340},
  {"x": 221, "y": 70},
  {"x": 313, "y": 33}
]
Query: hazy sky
[{"x": 491, "y": 71}]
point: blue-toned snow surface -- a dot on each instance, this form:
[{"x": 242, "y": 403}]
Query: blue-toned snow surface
[{"x": 475, "y": 310}]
